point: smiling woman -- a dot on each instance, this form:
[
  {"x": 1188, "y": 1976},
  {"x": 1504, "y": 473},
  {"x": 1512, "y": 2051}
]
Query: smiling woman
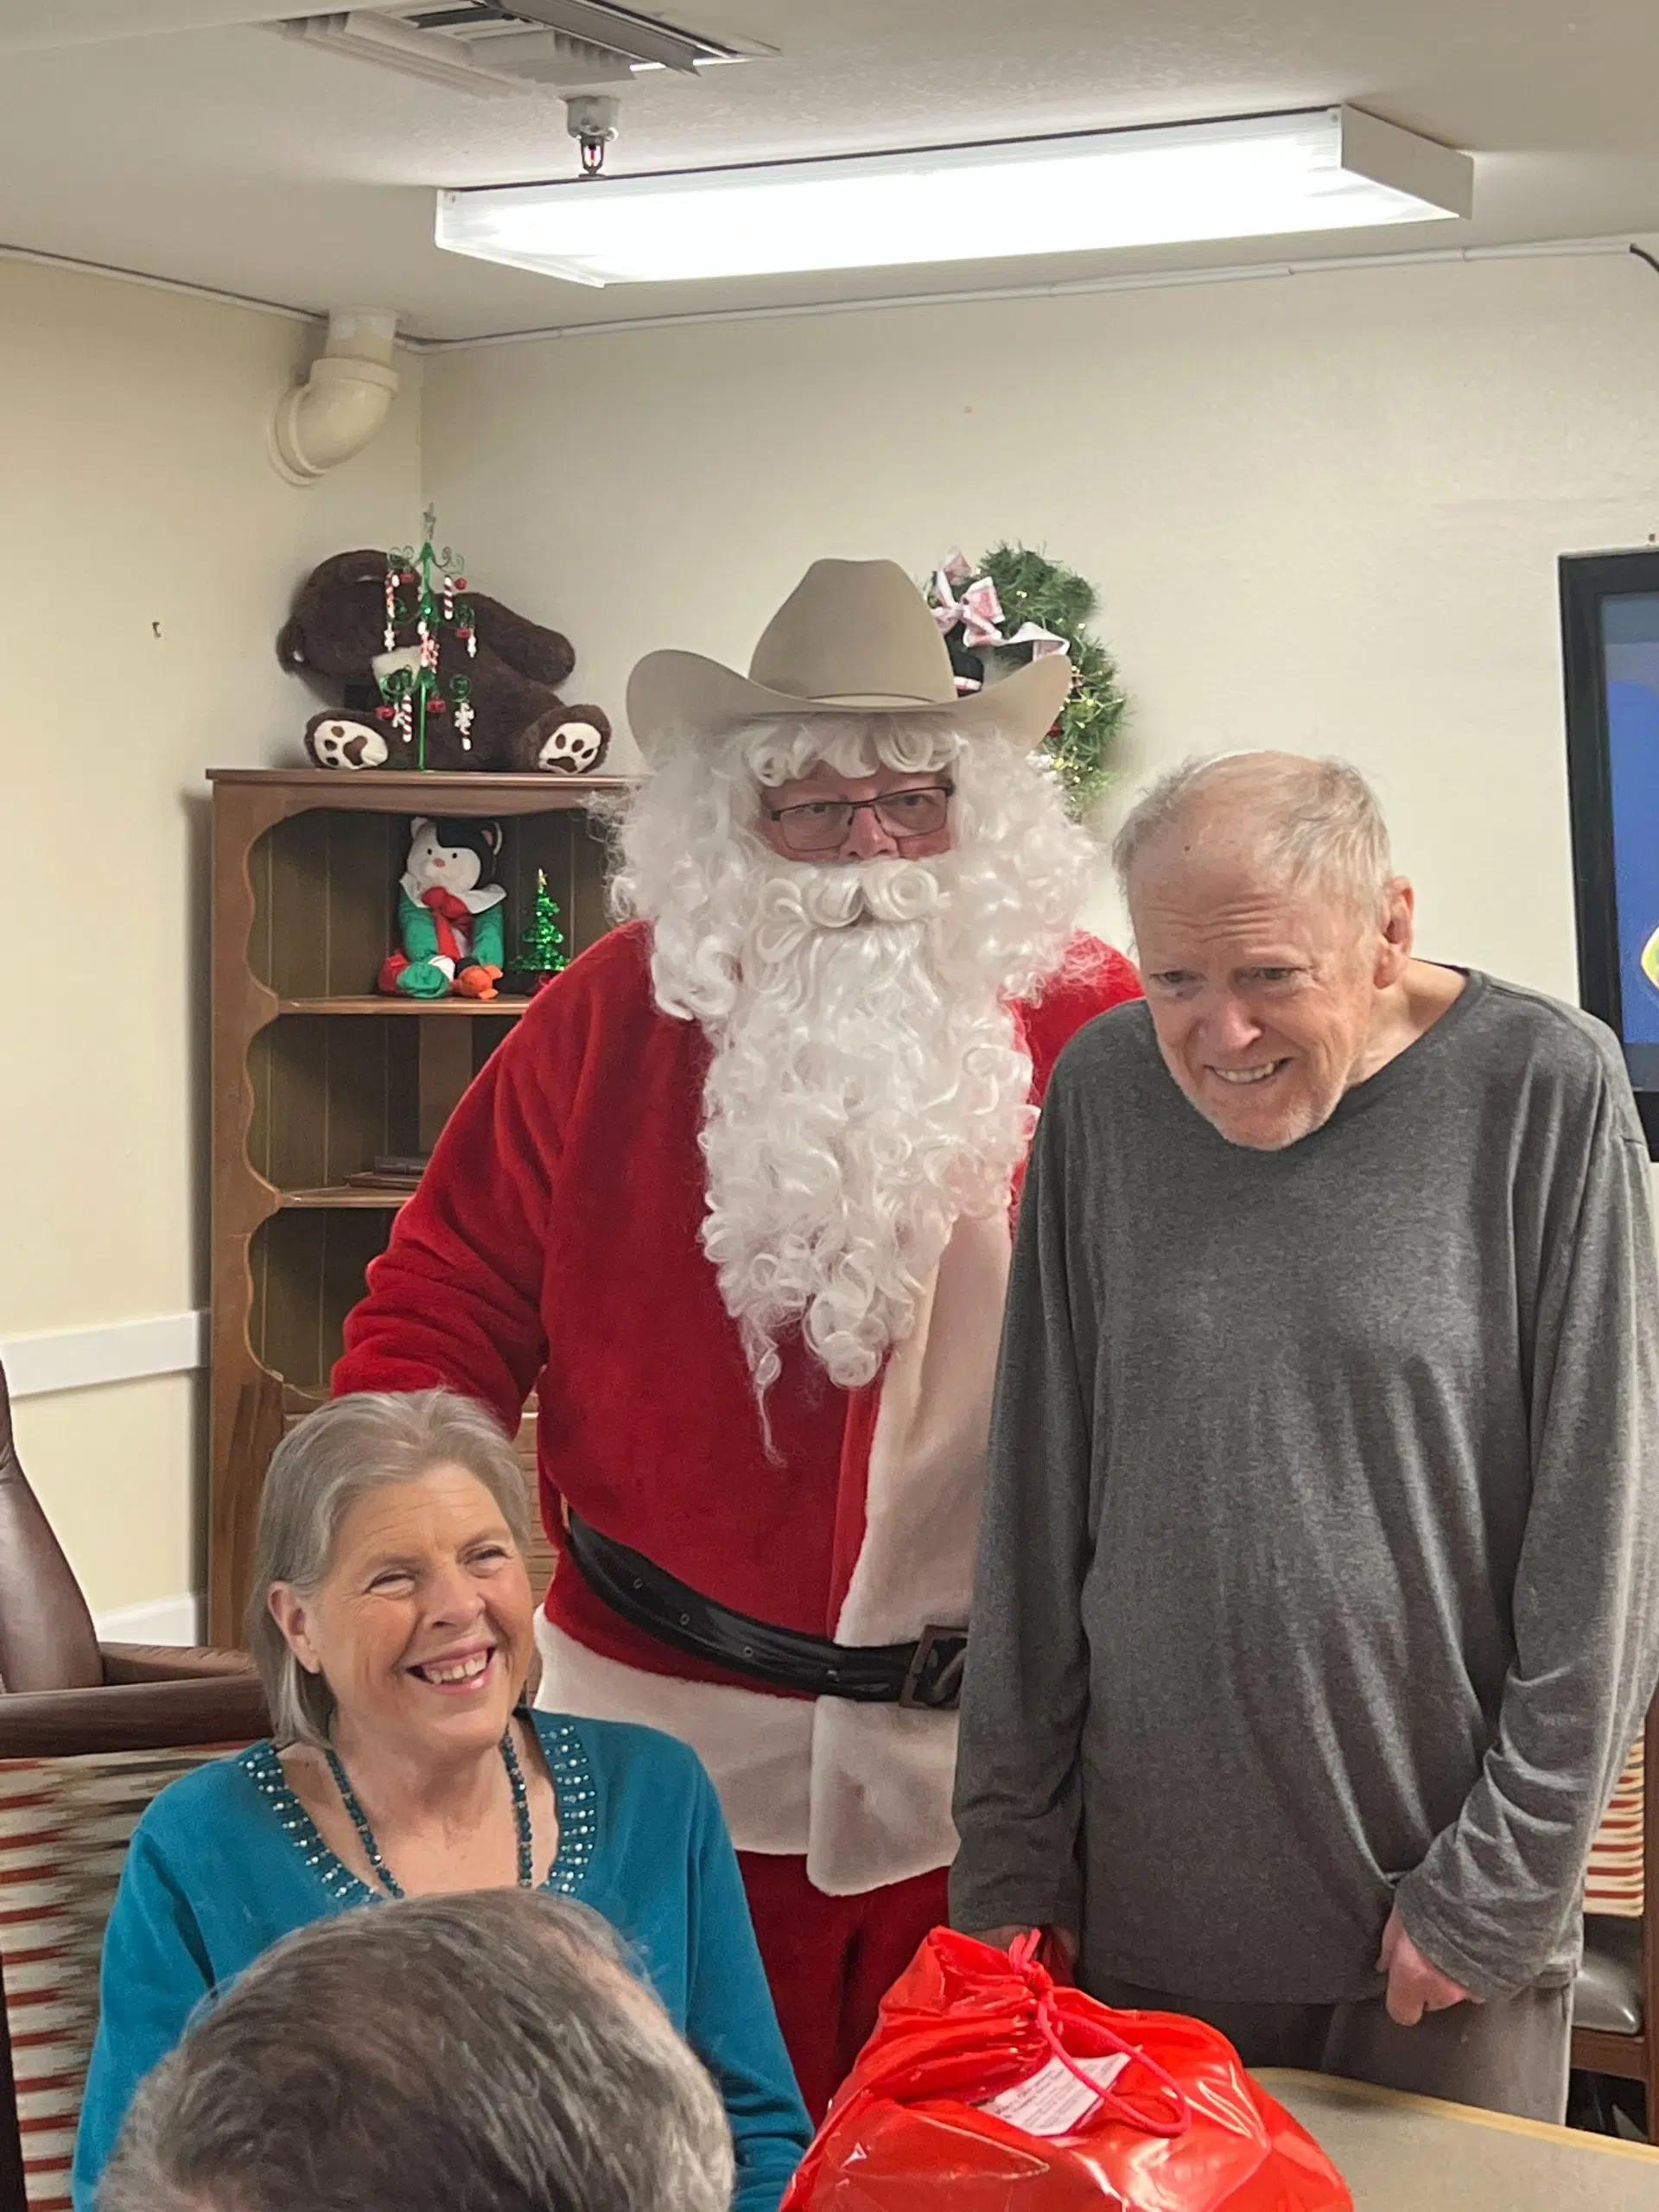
[
  {"x": 392, "y": 1620},
  {"x": 391, "y": 1623}
]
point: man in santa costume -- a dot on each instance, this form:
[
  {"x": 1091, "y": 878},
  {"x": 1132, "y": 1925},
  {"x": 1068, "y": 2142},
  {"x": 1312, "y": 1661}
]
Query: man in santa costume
[{"x": 733, "y": 1197}]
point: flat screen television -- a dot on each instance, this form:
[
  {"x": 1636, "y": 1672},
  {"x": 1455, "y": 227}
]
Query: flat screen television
[{"x": 1610, "y": 630}]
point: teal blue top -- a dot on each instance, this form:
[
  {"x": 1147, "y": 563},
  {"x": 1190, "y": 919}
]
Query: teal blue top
[{"x": 226, "y": 1861}]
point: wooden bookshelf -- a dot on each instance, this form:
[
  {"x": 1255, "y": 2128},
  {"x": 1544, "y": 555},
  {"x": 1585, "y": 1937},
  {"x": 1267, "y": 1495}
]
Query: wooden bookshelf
[{"x": 314, "y": 1075}]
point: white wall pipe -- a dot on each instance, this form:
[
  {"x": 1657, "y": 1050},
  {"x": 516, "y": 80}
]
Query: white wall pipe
[{"x": 347, "y": 396}]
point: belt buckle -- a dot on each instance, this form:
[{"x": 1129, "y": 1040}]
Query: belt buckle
[{"x": 934, "y": 1689}]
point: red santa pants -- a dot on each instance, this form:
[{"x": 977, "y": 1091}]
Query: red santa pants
[{"x": 830, "y": 1961}]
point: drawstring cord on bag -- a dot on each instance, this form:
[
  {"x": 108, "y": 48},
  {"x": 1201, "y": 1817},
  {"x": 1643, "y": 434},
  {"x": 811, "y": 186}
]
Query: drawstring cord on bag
[{"x": 1021, "y": 1954}]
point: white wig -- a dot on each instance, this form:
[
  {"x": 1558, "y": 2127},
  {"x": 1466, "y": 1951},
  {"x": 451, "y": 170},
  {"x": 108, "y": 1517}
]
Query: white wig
[{"x": 868, "y": 1086}]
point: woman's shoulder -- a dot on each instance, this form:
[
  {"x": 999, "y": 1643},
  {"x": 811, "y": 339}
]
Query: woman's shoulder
[{"x": 221, "y": 1793}]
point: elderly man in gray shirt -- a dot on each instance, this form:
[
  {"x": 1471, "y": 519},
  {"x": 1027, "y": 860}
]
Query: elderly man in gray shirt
[{"x": 1319, "y": 1587}]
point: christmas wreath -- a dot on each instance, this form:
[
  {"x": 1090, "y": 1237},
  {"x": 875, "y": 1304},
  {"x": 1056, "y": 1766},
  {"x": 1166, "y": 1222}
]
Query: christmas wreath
[{"x": 1012, "y": 605}]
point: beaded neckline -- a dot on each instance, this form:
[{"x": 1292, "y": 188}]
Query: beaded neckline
[
  {"x": 574, "y": 1796},
  {"x": 371, "y": 1843}
]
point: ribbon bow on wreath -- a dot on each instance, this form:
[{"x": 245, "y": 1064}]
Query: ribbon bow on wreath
[
  {"x": 979, "y": 610},
  {"x": 979, "y": 613},
  {"x": 1015, "y": 605}
]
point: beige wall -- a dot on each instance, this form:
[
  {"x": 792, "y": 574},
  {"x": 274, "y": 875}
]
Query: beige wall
[
  {"x": 1323, "y": 511},
  {"x": 149, "y": 551}
]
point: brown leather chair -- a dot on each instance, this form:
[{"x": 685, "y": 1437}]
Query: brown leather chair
[
  {"x": 89, "y": 1732},
  {"x": 123, "y": 1693}
]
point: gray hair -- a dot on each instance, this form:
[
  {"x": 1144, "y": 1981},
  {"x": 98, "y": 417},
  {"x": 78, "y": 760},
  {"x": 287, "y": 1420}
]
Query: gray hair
[
  {"x": 340, "y": 1453},
  {"x": 1312, "y": 820},
  {"x": 474, "y": 2053}
]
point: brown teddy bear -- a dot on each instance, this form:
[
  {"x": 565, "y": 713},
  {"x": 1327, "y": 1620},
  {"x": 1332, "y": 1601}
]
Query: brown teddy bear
[{"x": 337, "y": 630}]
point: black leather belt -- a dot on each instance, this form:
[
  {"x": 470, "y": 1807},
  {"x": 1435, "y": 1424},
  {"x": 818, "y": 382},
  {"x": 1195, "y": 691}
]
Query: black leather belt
[{"x": 927, "y": 1673}]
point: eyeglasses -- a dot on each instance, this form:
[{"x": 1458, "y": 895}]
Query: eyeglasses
[{"x": 824, "y": 825}]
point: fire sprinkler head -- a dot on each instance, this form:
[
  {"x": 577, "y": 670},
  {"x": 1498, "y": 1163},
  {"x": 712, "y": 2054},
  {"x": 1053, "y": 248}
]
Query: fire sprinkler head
[{"x": 591, "y": 119}]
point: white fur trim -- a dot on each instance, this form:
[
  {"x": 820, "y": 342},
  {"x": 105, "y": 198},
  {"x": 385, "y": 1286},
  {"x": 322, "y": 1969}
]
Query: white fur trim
[
  {"x": 881, "y": 1796},
  {"x": 757, "y": 1749},
  {"x": 881, "y": 1776},
  {"x": 915, "y": 1567}
]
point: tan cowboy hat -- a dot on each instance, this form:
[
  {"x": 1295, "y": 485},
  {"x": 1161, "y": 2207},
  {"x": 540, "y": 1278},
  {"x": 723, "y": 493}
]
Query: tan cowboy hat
[{"x": 853, "y": 637}]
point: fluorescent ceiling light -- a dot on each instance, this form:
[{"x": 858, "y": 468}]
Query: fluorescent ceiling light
[{"x": 1257, "y": 176}]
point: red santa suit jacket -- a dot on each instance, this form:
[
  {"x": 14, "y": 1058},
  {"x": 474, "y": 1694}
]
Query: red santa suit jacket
[{"x": 553, "y": 1243}]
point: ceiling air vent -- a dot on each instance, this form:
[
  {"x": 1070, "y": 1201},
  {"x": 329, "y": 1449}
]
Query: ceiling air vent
[{"x": 566, "y": 45}]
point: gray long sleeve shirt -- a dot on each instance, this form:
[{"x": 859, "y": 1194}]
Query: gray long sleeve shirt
[{"x": 1320, "y": 1558}]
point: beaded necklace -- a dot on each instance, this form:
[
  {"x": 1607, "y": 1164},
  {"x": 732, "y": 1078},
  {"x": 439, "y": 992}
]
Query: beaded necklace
[{"x": 371, "y": 1850}]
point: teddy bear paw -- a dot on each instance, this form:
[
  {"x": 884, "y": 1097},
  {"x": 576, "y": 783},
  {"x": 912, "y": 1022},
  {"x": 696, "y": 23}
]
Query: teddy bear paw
[
  {"x": 571, "y": 749},
  {"x": 341, "y": 741}
]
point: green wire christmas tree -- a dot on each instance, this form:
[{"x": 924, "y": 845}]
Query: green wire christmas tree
[
  {"x": 424, "y": 588},
  {"x": 541, "y": 954}
]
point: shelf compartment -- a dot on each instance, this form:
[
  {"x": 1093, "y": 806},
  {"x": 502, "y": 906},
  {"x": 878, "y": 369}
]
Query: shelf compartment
[
  {"x": 307, "y": 1267},
  {"x": 325, "y": 894},
  {"x": 334, "y": 1093},
  {"x": 330, "y": 1096}
]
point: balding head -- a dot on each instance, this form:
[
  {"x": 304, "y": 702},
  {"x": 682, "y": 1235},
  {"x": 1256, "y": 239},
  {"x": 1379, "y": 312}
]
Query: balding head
[
  {"x": 1298, "y": 824},
  {"x": 1272, "y": 938}
]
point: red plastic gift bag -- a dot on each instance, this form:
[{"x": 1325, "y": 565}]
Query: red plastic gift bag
[{"x": 985, "y": 2087}]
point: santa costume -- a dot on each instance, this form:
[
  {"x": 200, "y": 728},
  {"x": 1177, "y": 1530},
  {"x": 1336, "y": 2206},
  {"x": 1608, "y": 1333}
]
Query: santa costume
[{"x": 733, "y": 1197}]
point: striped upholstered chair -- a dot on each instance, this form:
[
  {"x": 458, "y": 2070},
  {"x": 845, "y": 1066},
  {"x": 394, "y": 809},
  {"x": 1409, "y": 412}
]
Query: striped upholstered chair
[
  {"x": 89, "y": 1733},
  {"x": 1615, "y": 2004}
]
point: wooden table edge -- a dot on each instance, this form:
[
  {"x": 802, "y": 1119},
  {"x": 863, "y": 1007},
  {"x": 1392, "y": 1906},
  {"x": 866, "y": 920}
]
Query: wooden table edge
[{"x": 1576, "y": 2139}]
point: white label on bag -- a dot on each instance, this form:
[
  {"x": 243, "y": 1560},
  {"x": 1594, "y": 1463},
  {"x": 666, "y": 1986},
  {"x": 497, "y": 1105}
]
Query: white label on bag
[{"x": 1053, "y": 2101}]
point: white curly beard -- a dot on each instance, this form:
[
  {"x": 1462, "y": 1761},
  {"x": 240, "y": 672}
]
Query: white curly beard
[
  {"x": 858, "y": 1102},
  {"x": 868, "y": 1086}
]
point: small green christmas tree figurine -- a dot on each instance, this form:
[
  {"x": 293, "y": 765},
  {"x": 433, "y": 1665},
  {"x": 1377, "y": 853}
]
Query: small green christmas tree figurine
[{"x": 541, "y": 944}]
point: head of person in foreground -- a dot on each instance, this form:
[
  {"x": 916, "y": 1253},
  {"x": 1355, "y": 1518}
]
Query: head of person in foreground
[{"x": 483, "y": 2052}]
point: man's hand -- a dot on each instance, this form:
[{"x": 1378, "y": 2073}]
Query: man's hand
[
  {"x": 1415, "y": 1986},
  {"x": 1064, "y": 1939}
]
